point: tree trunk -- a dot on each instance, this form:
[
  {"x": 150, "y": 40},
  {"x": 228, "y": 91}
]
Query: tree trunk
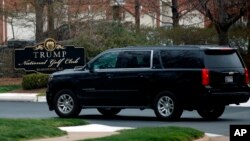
[
  {"x": 248, "y": 23},
  {"x": 223, "y": 38},
  {"x": 223, "y": 14},
  {"x": 137, "y": 15},
  {"x": 117, "y": 13},
  {"x": 51, "y": 28},
  {"x": 222, "y": 34},
  {"x": 175, "y": 12},
  {"x": 39, "y": 22}
]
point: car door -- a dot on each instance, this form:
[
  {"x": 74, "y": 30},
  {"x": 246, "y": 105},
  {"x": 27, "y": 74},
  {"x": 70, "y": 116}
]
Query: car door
[
  {"x": 97, "y": 87},
  {"x": 118, "y": 79},
  {"x": 131, "y": 77}
]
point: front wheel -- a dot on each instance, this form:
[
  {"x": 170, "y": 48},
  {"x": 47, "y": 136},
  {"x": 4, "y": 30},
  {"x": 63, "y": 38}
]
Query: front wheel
[
  {"x": 211, "y": 112},
  {"x": 66, "y": 104},
  {"x": 167, "y": 106},
  {"x": 109, "y": 111}
]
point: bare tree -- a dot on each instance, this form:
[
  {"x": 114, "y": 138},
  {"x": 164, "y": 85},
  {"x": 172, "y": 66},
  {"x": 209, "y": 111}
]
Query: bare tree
[
  {"x": 50, "y": 17},
  {"x": 248, "y": 23},
  {"x": 223, "y": 14},
  {"x": 15, "y": 13},
  {"x": 41, "y": 15},
  {"x": 248, "y": 14},
  {"x": 39, "y": 8},
  {"x": 137, "y": 15},
  {"x": 175, "y": 13},
  {"x": 83, "y": 15},
  {"x": 173, "y": 10},
  {"x": 11, "y": 21},
  {"x": 44, "y": 14},
  {"x": 39, "y": 18}
]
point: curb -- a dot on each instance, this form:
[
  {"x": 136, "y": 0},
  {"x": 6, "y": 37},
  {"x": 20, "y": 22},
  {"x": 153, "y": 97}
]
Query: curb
[
  {"x": 208, "y": 138},
  {"x": 27, "y": 97}
]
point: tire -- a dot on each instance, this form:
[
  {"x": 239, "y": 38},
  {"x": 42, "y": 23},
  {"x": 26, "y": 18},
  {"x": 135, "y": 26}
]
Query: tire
[
  {"x": 167, "y": 107},
  {"x": 109, "y": 111},
  {"x": 211, "y": 112},
  {"x": 66, "y": 104}
]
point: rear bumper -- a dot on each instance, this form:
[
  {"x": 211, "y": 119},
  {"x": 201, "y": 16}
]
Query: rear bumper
[{"x": 227, "y": 97}]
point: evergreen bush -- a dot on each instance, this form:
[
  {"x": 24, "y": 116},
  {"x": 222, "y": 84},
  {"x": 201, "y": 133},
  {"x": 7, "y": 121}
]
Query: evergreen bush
[{"x": 35, "y": 81}]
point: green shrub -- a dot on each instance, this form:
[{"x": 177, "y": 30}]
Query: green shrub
[
  {"x": 106, "y": 35},
  {"x": 35, "y": 81}
]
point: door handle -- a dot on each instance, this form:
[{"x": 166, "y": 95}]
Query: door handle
[
  {"x": 109, "y": 76},
  {"x": 141, "y": 76},
  {"x": 145, "y": 75}
]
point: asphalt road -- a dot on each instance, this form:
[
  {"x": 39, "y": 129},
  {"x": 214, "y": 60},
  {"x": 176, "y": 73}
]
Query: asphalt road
[{"x": 133, "y": 118}]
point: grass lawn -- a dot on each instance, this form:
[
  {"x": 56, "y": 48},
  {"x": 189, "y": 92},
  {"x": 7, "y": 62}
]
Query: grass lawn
[
  {"x": 24, "y": 129},
  {"x": 155, "y": 134},
  {"x": 7, "y": 88}
]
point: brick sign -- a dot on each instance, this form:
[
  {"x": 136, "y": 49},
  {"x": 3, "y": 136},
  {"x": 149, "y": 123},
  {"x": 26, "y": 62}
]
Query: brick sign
[{"x": 49, "y": 57}]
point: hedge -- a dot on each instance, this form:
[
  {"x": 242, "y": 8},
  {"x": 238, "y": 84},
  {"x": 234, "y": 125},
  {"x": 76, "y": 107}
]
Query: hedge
[{"x": 35, "y": 81}]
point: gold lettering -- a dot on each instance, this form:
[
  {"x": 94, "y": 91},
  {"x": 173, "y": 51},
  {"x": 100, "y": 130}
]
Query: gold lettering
[
  {"x": 35, "y": 53},
  {"x": 54, "y": 54},
  {"x": 42, "y": 55},
  {"x": 30, "y": 62},
  {"x": 48, "y": 54},
  {"x": 64, "y": 53},
  {"x": 71, "y": 61},
  {"x": 55, "y": 62}
]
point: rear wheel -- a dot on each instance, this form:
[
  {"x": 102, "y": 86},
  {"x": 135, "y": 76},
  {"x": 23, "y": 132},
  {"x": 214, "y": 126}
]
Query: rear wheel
[
  {"x": 167, "y": 107},
  {"x": 66, "y": 104},
  {"x": 109, "y": 111},
  {"x": 211, "y": 112}
]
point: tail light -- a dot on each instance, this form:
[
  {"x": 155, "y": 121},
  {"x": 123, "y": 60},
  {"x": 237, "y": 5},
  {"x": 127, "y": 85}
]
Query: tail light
[
  {"x": 246, "y": 76},
  {"x": 205, "y": 77}
]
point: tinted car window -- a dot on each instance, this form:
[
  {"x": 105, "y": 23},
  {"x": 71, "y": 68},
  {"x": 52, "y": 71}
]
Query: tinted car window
[
  {"x": 133, "y": 59},
  {"x": 106, "y": 61},
  {"x": 156, "y": 60},
  {"x": 181, "y": 59},
  {"x": 222, "y": 59}
]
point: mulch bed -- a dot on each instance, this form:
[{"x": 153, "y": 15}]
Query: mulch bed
[{"x": 10, "y": 81}]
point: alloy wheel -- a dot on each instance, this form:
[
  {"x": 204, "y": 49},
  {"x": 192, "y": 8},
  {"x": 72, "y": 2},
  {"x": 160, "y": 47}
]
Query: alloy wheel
[
  {"x": 65, "y": 103},
  {"x": 165, "y": 106}
]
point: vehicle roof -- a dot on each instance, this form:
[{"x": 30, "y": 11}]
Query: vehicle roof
[{"x": 174, "y": 47}]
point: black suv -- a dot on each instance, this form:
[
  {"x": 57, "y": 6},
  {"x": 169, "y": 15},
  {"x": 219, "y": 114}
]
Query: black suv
[{"x": 165, "y": 79}]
